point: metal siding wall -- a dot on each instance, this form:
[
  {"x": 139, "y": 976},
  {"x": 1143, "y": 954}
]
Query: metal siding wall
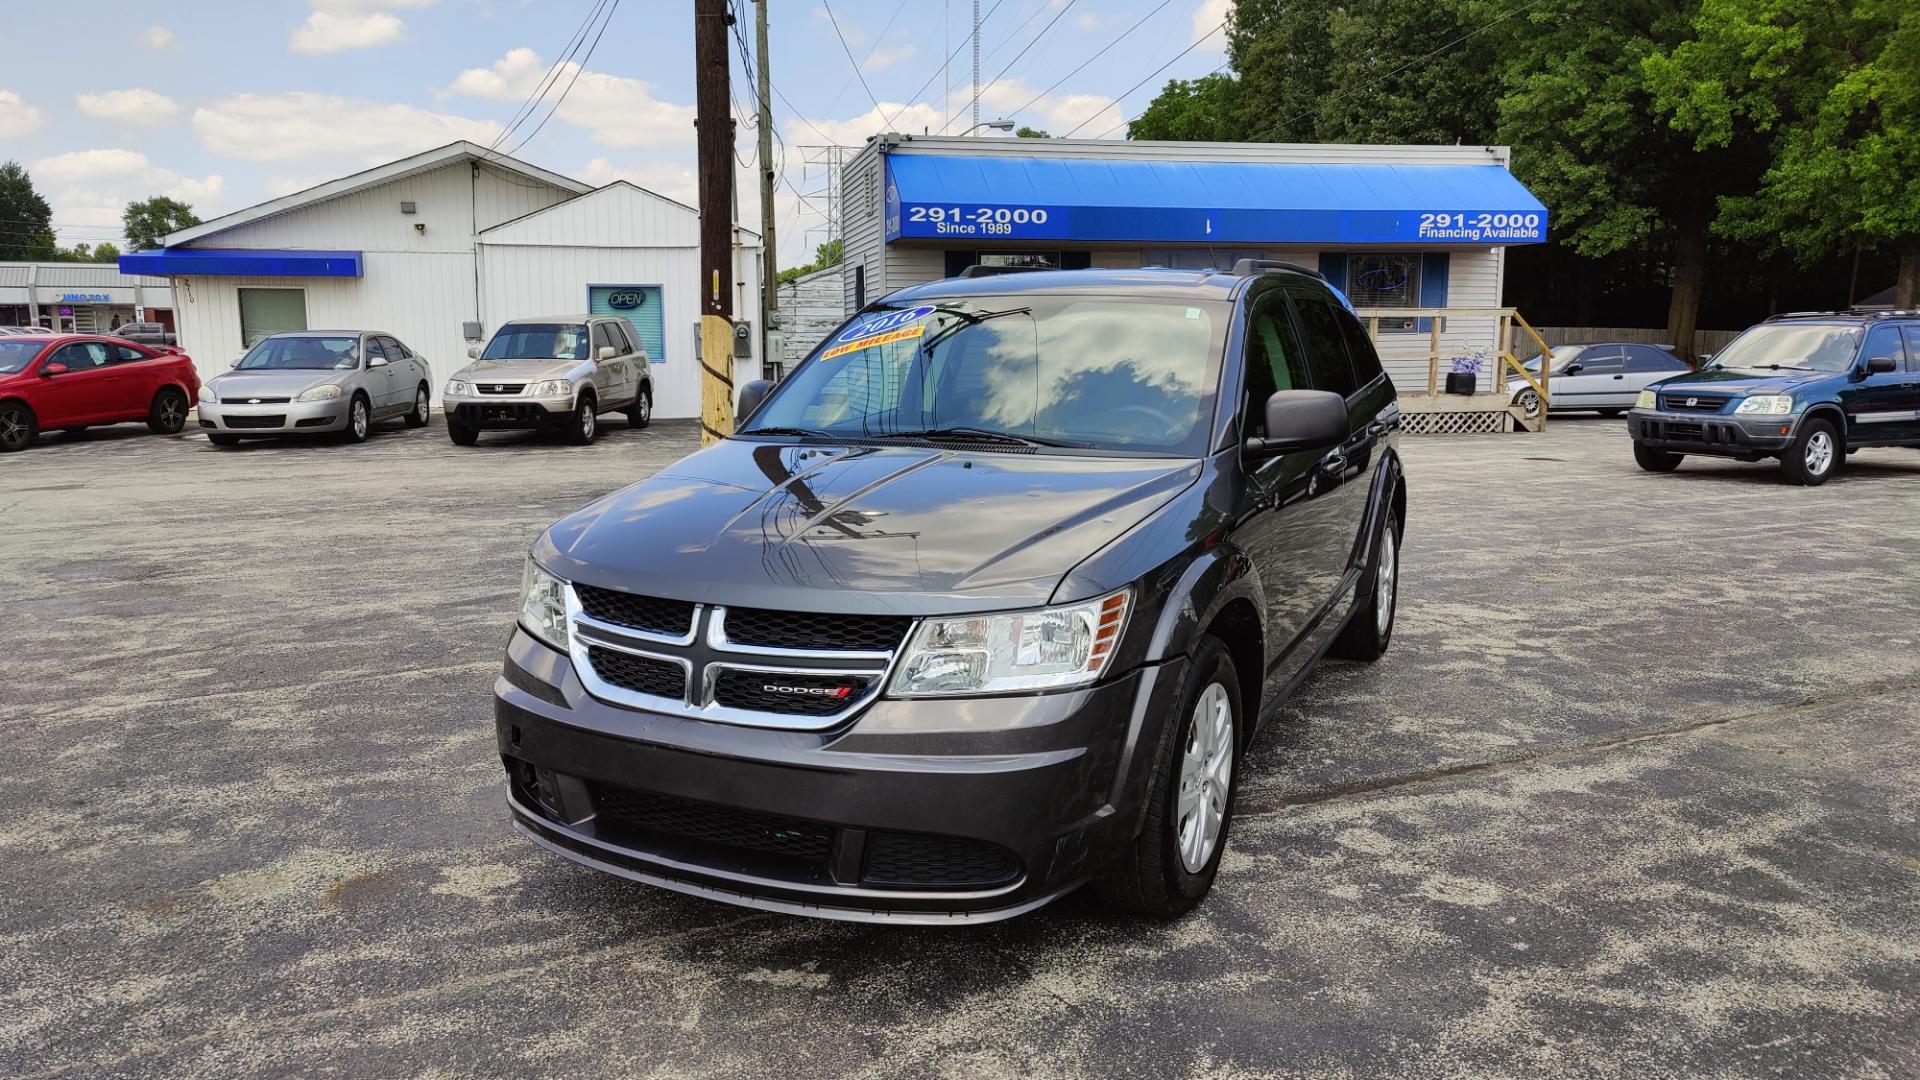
[
  {"x": 863, "y": 224},
  {"x": 811, "y": 307},
  {"x": 499, "y": 196},
  {"x": 615, "y": 216},
  {"x": 448, "y": 200}
]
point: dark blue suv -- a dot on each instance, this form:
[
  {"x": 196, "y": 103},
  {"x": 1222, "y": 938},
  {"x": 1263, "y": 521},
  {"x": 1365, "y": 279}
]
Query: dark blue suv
[{"x": 1807, "y": 388}]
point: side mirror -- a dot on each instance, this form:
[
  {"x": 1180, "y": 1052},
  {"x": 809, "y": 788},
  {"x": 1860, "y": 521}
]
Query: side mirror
[
  {"x": 1882, "y": 365},
  {"x": 1573, "y": 369},
  {"x": 751, "y": 395},
  {"x": 376, "y": 361},
  {"x": 606, "y": 352},
  {"x": 1301, "y": 420},
  {"x": 236, "y": 361},
  {"x": 50, "y": 370},
  {"x": 473, "y": 352}
]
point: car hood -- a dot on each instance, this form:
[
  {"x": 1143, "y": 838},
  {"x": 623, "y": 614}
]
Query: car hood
[
  {"x": 287, "y": 384},
  {"x": 529, "y": 370},
  {"x": 899, "y": 530},
  {"x": 1734, "y": 381}
]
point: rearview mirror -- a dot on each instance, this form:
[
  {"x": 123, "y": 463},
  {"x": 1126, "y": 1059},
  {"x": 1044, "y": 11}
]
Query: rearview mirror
[
  {"x": 607, "y": 352},
  {"x": 53, "y": 369},
  {"x": 1300, "y": 420},
  {"x": 1882, "y": 365},
  {"x": 473, "y": 352},
  {"x": 751, "y": 395}
]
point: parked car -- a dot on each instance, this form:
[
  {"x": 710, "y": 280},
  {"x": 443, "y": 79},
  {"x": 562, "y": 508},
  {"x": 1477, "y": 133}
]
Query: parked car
[
  {"x": 314, "y": 382},
  {"x": 982, "y": 602},
  {"x": 1604, "y": 377},
  {"x": 19, "y": 331},
  {"x": 70, "y": 382},
  {"x": 145, "y": 333},
  {"x": 555, "y": 373},
  {"x": 1807, "y": 388}
]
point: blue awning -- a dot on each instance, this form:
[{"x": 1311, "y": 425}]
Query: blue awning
[
  {"x": 241, "y": 262},
  {"x": 990, "y": 197}
]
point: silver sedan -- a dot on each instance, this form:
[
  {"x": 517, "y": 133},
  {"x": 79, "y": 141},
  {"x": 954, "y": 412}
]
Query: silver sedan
[{"x": 313, "y": 382}]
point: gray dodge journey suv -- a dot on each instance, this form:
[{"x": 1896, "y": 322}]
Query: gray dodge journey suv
[{"x": 982, "y": 603}]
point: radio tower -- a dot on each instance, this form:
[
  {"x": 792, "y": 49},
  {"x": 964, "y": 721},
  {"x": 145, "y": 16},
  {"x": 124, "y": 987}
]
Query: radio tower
[{"x": 976, "y": 65}]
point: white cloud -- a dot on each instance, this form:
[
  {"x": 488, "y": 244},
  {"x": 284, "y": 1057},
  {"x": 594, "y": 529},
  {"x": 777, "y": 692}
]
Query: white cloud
[
  {"x": 1207, "y": 18},
  {"x": 287, "y": 185},
  {"x": 17, "y": 118},
  {"x": 301, "y": 125},
  {"x": 613, "y": 110},
  {"x": 91, "y": 188},
  {"x": 158, "y": 39},
  {"x": 339, "y": 25},
  {"x": 1012, "y": 98},
  {"x": 1086, "y": 21},
  {"x": 134, "y": 106},
  {"x": 882, "y": 59}
]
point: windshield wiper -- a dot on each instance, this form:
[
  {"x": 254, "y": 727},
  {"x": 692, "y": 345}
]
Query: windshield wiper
[
  {"x": 1773, "y": 367},
  {"x": 800, "y": 431},
  {"x": 977, "y": 434}
]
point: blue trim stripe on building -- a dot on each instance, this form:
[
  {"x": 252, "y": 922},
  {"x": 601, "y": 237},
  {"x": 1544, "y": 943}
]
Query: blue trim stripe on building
[
  {"x": 964, "y": 197},
  {"x": 241, "y": 262}
]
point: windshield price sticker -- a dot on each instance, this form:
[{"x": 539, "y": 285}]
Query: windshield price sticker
[
  {"x": 903, "y": 334},
  {"x": 880, "y": 328},
  {"x": 1481, "y": 227}
]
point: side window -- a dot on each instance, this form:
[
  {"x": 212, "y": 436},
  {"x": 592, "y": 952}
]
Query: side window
[
  {"x": 395, "y": 351},
  {"x": 1607, "y": 361},
  {"x": 82, "y": 356},
  {"x": 374, "y": 349},
  {"x": 1884, "y": 340},
  {"x": 1326, "y": 346},
  {"x": 1275, "y": 360},
  {"x": 603, "y": 339},
  {"x": 127, "y": 354},
  {"x": 1913, "y": 347},
  {"x": 1366, "y": 362}
]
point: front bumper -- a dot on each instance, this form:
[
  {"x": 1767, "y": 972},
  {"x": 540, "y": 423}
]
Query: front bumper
[
  {"x": 499, "y": 413},
  {"x": 1720, "y": 434},
  {"x": 290, "y": 418},
  {"x": 929, "y": 811}
]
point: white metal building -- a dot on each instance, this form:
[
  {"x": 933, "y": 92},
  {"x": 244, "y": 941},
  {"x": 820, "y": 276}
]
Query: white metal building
[
  {"x": 1393, "y": 227},
  {"x": 80, "y": 298},
  {"x": 443, "y": 244}
]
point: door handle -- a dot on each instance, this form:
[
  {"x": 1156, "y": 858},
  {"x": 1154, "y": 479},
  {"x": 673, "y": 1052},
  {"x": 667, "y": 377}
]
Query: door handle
[{"x": 1619, "y": 376}]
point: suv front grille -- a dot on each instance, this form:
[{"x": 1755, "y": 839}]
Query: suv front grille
[
  {"x": 499, "y": 388},
  {"x": 254, "y": 401},
  {"x": 815, "y": 630},
  {"x": 277, "y": 420},
  {"x": 719, "y": 826},
  {"x": 909, "y": 860},
  {"x": 789, "y": 693},
  {"x": 640, "y": 674},
  {"x": 669, "y": 618},
  {"x": 1699, "y": 403}
]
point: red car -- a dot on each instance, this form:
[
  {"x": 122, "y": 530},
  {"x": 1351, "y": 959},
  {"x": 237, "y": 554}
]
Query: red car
[{"x": 67, "y": 382}]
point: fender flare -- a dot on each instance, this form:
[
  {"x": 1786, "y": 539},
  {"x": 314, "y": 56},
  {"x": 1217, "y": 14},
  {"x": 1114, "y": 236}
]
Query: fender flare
[
  {"x": 1214, "y": 579},
  {"x": 1831, "y": 411}
]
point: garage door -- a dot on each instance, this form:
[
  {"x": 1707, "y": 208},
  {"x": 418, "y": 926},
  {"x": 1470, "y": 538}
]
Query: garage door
[{"x": 639, "y": 305}]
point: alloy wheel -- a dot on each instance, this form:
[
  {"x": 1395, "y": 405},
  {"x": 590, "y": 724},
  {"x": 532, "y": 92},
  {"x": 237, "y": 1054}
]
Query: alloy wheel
[
  {"x": 1529, "y": 402},
  {"x": 1206, "y": 775},
  {"x": 359, "y": 419},
  {"x": 421, "y": 405},
  {"x": 171, "y": 413},
  {"x": 587, "y": 420},
  {"x": 1819, "y": 453},
  {"x": 1385, "y": 580},
  {"x": 14, "y": 431}
]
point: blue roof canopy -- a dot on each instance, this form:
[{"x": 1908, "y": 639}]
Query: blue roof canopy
[
  {"x": 242, "y": 262},
  {"x": 990, "y": 197}
]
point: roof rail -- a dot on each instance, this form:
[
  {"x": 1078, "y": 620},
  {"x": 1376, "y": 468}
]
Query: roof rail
[
  {"x": 1250, "y": 267},
  {"x": 1850, "y": 313},
  {"x": 978, "y": 270}
]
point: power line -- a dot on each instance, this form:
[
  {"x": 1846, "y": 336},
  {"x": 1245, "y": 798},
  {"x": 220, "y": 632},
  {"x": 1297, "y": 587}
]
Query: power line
[
  {"x": 1154, "y": 75},
  {"x": 870, "y": 51},
  {"x": 581, "y": 67},
  {"x": 963, "y": 45},
  {"x": 546, "y": 82},
  {"x": 1138, "y": 23},
  {"x": 891, "y": 122},
  {"x": 1057, "y": 16}
]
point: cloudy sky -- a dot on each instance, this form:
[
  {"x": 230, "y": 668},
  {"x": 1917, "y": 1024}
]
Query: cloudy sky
[{"x": 224, "y": 103}]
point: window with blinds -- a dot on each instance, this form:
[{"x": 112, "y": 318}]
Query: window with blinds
[
  {"x": 266, "y": 312},
  {"x": 640, "y": 306}
]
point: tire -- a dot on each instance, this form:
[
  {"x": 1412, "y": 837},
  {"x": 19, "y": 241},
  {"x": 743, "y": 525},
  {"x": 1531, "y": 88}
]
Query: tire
[
  {"x": 168, "y": 414},
  {"x": 1816, "y": 454},
  {"x": 1160, "y": 876},
  {"x": 461, "y": 434},
  {"x": 1654, "y": 460},
  {"x": 224, "y": 440},
  {"x": 18, "y": 426},
  {"x": 1610, "y": 413},
  {"x": 359, "y": 420},
  {"x": 422, "y": 406},
  {"x": 585, "y": 423},
  {"x": 641, "y": 413},
  {"x": 1369, "y": 629},
  {"x": 1529, "y": 402}
]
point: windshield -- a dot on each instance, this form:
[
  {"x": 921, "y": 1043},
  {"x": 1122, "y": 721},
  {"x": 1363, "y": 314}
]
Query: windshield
[
  {"x": 1810, "y": 347},
  {"x": 1099, "y": 372},
  {"x": 538, "y": 341},
  {"x": 302, "y": 353},
  {"x": 1562, "y": 354},
  {"x": 16, "y": 355}
]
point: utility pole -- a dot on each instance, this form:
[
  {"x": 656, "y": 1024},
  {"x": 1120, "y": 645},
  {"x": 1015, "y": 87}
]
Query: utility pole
[
  {"x": 769, "y": 251},
  {"x": 714, "y": 148}
]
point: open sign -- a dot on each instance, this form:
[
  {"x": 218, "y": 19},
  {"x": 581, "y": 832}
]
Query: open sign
[{"x": 626, "y": 299}]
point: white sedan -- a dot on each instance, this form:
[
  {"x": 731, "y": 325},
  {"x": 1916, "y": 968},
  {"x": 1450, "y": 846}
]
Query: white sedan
[{"x": 1605, "y": 377}]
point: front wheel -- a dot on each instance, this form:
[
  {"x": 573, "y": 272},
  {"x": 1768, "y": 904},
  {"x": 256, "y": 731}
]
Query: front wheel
[
  {"x": 224, "y": 440},
  {"x": 359, "y": 420},
  {"x": 1529, "y": 402},
  {"x": 461, "y": 434},
  {"x": 586, "y": 423},
  {"x": 1176, "y": 855},
  {"x": 422, "y": 401},
  {"x": 1654, "y": 460},
  {"x": 1370, "y": 629},
  {"x": 169, "y": 412},
  {"x": 17, "y": 426},
  {"x": 1814, "y": 457}
]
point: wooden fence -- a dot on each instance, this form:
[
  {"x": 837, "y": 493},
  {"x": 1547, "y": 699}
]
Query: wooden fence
[{"x": 1705, "y": 341}]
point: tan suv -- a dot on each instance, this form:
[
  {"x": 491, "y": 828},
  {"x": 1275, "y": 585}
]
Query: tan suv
[{"x": 556, "y": 373}]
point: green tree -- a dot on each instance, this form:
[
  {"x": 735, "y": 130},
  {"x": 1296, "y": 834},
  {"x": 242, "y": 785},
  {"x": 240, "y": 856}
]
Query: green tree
[
  {"x": 828, "y": 254},
  {"x": 105, "y": 252},
  {"x": 1193, "y": 110},
  {"x": 1834, "y": 89},
  {"x": 148, "y": 221},
  {"x": 1031, "y": 133},
  {"x": 26, "y": 221},
  {"x": 1578, "y": 111}
]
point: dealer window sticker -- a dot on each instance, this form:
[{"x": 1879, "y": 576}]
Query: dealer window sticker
[{"x": 880, "y": 328}]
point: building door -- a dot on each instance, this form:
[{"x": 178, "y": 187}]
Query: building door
[{"x": 265, "y": 312}]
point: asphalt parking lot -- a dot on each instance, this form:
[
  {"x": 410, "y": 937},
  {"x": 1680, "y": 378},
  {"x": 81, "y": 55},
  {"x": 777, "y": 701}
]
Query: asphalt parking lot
[{"x": 1635, "y": 792}]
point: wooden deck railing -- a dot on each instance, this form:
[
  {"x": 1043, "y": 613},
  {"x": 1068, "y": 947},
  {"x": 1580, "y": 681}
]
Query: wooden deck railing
[{"x": 1505, "y": 321}]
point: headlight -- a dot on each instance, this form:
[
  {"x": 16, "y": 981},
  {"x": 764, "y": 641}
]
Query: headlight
[
  {"x": 456, "y": 388},
  {"x": 543, "y": 605},
  {"x": 1006, "y": 653},
  {"x": 1646, "y": 400},
  {"x": 324, "y": 392},
  {"x": 1769, "y": 404},
  {"x": 551, "y": 388},
  {"x": 207, "y": 394}
]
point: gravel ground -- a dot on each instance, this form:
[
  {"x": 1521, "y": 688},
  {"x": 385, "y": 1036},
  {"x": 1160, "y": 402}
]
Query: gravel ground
[{"x": 1636, "y": 792}]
